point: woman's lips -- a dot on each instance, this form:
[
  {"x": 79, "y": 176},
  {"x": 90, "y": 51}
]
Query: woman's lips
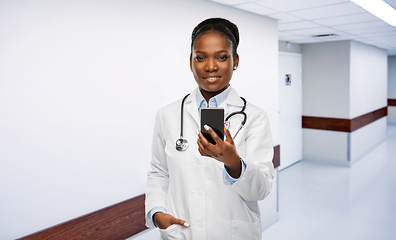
[{"x": 212, "y": 79}]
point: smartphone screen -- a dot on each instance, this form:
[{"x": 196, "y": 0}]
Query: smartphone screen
[{"x": 214, "y": 118}]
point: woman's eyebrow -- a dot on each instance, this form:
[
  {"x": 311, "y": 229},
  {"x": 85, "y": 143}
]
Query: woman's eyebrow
[{"x": 221, "y": 51}]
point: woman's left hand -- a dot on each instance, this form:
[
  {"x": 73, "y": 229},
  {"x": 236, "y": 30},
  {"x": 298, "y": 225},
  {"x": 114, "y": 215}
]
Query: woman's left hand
[{"x": 223, "y": 151}]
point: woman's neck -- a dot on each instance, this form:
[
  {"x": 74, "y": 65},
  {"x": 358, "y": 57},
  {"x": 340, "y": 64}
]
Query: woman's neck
[{"x": 208, "y": 95}]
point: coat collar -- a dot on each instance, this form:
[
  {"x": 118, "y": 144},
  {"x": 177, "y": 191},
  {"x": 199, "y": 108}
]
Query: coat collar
[{"x": 232, "y": 101}]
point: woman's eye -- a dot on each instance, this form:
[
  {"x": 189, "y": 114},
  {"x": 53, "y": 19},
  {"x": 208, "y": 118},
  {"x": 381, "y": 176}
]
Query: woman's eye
[
  {"x": 223, "y": 58},
  {"x": 199, "y": 59}
]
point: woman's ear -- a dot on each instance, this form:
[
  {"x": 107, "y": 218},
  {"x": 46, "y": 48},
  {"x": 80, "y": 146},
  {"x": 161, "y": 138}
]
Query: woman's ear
[
  {"x": 190, "y": 62},
  {"x": 236, "y": 61}
]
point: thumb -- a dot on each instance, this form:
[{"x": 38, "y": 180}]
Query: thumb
[{"x": 180, "y": 222}]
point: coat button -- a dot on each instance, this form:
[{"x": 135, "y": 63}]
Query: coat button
[
  {"x": 199, "y": 193},
  {"x": 198, "y": 162}
]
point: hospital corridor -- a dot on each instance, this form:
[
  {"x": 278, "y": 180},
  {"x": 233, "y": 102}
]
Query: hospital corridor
[
  {"x": 321, "y": 201},
  {"x": 105, "y": 109}
]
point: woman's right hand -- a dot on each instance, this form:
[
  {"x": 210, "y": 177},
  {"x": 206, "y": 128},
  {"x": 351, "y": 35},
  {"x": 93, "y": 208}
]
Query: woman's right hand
[{"x": 164, "y": 220}]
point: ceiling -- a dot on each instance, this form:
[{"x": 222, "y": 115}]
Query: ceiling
[{"x": 300, "y": 20}]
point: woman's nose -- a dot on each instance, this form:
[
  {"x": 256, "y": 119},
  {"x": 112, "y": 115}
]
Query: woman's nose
[{"x": 211, "y": 66}]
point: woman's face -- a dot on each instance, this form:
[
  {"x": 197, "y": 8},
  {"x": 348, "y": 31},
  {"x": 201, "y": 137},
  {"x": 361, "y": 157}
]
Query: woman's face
[{"x": 212, "y": 63}]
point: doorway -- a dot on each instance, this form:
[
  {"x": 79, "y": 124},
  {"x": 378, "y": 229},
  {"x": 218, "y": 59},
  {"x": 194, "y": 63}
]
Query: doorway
[{"x": 290, "y": 108}]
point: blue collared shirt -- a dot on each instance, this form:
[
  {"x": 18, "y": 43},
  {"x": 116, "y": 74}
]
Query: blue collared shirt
[
  {"x": 214, "y": 101},
  {"x": 201, "y": 103}
]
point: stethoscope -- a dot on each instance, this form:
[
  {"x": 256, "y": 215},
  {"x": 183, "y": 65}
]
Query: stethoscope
[{"x": 182, "y": 143}]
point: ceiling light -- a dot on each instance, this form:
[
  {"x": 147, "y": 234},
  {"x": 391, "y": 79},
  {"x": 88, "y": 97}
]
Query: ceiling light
[
  {"x": 325, "y": 36},
  {"x": 380, "y": 9}
]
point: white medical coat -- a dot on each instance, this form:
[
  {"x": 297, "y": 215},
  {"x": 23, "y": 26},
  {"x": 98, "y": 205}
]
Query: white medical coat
[{"x": 191, "y": 187}]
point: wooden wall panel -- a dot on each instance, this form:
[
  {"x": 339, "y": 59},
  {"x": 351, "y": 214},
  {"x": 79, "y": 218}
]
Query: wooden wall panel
[
  {"x": 392, "y": 102},
  {"x": 276, "y": 159},
  {"x": 331, "y": 124},
  {"x": 341, "y": 124},
  {"x": 116, "y": 222},
  {"x": 368, "y": 118}
]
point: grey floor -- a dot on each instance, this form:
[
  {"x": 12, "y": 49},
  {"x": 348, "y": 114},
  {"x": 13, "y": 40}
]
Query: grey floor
[{"x": 320, "y": 201}]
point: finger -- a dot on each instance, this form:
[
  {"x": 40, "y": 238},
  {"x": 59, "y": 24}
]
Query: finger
[
  {"x": 203, "y": 153},
  {"x": 205, "y": 148},
  {"x": 202, "y": 149},
  {"x": 201, "y": 138},
  {"x": 180, "y": 222},
  {"x": 228, "y": 136},
  {"x": 204, "y": 143},
  {"x": 213, "y": 134}
]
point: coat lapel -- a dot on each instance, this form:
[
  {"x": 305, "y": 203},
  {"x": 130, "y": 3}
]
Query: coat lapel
[
  {"x": 232, "y": 103},
  {"x": 191, "y": 106}
]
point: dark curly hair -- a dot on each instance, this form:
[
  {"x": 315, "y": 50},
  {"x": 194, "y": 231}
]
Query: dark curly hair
[{"x": 221, "y": 25}]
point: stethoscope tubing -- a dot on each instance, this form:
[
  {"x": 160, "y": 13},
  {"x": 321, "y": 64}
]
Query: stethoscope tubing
[
  {"x": 182, "y": 143},
  {"x": 181, "y": 113}
]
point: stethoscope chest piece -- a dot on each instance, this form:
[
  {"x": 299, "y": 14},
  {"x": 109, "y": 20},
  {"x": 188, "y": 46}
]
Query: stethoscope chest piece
[{"x": 181, "y": 144}]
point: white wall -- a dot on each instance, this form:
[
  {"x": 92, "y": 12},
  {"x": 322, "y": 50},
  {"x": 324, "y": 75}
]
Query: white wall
[
  {"x": 392, "y": 115},
  {"x": 392, "y": 77},
  {"x": 326, "y": 79},
  {"x": 327, "y": 146},
  {"x": 392, "y": 88},
  {"x": 80, "y": 84},
  {"x": 326, "y": 94},
  {"x": 354, "y": 83},
  {"x": 289, "y": 47},
  {"x": 368, "y": 92},
  {"x": 368, "y": 79},
  {"x": 365, "y": 139}
]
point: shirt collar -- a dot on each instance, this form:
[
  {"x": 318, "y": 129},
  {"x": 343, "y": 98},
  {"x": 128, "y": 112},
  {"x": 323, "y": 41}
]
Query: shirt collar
[{"x": 214, "y": 101}]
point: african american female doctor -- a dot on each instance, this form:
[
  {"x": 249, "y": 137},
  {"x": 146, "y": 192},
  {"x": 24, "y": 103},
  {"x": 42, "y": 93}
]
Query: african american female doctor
[{"x": 210, "y": 191}]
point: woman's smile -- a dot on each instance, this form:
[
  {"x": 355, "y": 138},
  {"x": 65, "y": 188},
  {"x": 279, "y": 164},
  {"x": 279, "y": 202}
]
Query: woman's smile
[{"x": 212, "y": 79}]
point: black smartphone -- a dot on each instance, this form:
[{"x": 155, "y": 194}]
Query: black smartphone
[{"x": 214, "y": 118}]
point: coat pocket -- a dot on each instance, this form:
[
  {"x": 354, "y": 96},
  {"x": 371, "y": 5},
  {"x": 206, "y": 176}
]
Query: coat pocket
[
  {"x": 242, "y": 230},
  {"x": 173, "y": 232}
]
